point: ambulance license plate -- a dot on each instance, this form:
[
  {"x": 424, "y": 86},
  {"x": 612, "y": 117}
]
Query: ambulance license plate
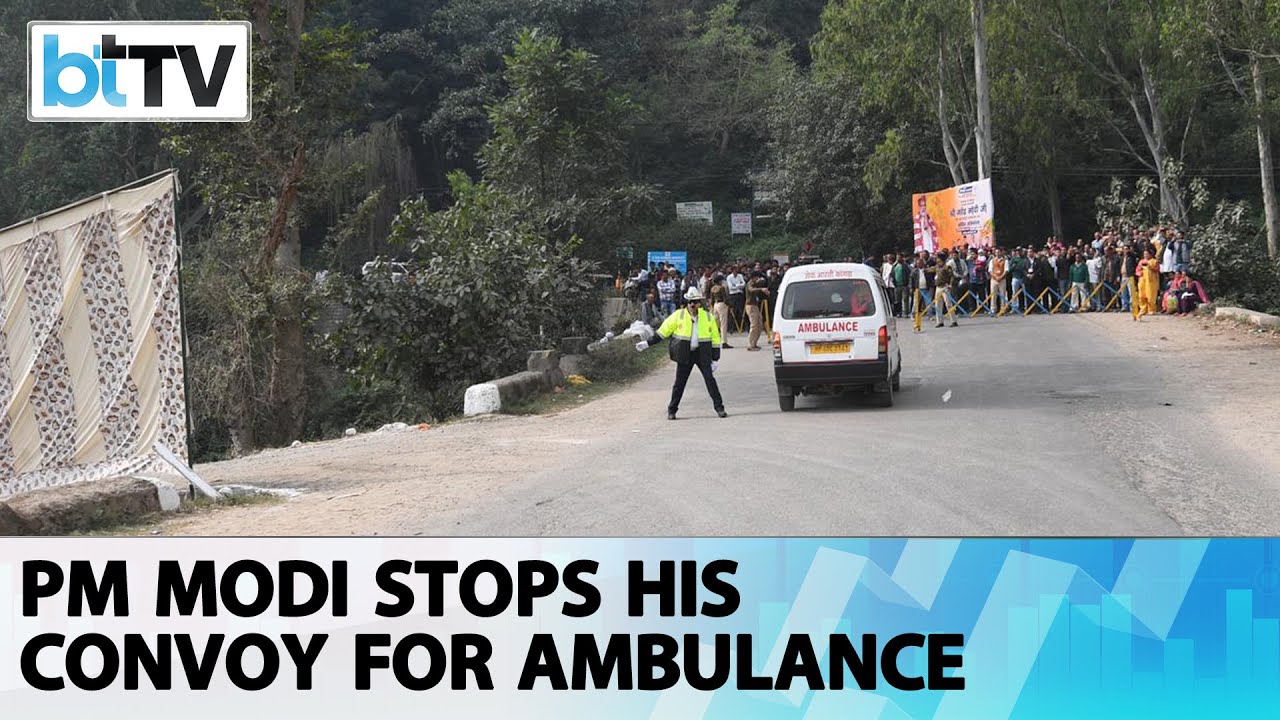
[{"x": 829, "y": 348}]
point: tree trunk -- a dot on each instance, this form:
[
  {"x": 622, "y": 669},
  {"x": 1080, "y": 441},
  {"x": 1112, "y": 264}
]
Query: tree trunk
[
  {"x": 1171, "y": 203},
  {"x": 280, "y": 246},
  {"x": 288, "y": 369},
  {"x": 295, "y": 13},
  {"x": 1055, "y": 206},
  {"x": 262, "y": 19},
  {"x": 982, "y": 87},
  {"x": 243, "y": 438},
  {"x": 948, "y": 149},
  {"x": 288, "y": 361},
  {"x": 1269, "y": 203}
]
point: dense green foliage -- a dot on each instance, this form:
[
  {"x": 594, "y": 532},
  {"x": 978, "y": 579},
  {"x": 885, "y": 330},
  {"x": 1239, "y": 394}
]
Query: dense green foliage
[
  {"x": 1231, "y": 258},
  {"x": 505, "y": 151},
  {"x": 480, "y": 288}
]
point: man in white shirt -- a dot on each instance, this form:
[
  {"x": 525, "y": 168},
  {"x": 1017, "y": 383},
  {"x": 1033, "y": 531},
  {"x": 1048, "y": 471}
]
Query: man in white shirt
[
  {"x": 886, "y": 272},
  {"x": 1094, "y": 263},
  {"x": 737, "y": 285},
  {"x": 667, "y": 287}
]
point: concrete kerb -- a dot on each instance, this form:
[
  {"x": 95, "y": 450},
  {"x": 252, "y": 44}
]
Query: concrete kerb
[
  {"x": 546, "y": 370},
  {"x": 543, "y": 374},
  {"x": 1253, "y": 317}
]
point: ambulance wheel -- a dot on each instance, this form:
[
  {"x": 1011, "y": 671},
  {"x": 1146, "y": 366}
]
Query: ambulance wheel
[
  {"x": 885, "y": 398},
  {"x": 786, "y": 399}
]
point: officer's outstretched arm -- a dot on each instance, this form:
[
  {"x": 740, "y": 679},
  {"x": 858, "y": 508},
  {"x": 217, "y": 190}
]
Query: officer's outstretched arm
[{"x": 662, "y": 333}]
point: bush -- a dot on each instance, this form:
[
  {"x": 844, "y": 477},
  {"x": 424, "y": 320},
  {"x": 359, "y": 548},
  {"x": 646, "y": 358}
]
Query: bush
[
  {"x": 1229, "y": 256},
  {"x": 619, "y": 361},
  {"x": 483, "y": 287},
  {"x": 373, "y": 404}
]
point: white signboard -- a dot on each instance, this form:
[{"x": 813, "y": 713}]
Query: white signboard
[
  {"x": 700, "y": 211},
  {"x": 741, "y": 223}
]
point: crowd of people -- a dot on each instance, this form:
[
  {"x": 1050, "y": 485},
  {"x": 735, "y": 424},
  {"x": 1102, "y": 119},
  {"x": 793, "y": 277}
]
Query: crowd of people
[
  {"x": 738, "y": 294},
  {"x": 1148, "y": 269}
]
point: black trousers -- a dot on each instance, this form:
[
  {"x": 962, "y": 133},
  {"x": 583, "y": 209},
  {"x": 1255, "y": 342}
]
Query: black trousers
[{"x": 682, "y": 378}]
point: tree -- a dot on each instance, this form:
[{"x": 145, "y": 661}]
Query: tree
[
  {"x": 480, "y": 288},
  {"x": 253, "y": 178},
  {"x": 831, "y": 170},
  {"x": 1041, "y": 129},
  {"x": 559, "y": 142},
  {"x": 1243, "y": 34},
  {"x": 459, "y": 66},
  {"x": 911, "y": 57},
  {"x": 704, "y": 85},
  {"x": 559, "y": 131},
  {"x": 1124, "y": 45},
  {"x": 724, "y": 75}
]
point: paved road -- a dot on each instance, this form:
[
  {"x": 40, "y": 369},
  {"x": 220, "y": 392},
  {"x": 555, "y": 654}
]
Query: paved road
[{"x": 1055, "y": 426}]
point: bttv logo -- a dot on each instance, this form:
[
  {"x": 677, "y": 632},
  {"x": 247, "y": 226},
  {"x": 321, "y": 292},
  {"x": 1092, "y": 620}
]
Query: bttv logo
[{"x": 138, "y": 71}]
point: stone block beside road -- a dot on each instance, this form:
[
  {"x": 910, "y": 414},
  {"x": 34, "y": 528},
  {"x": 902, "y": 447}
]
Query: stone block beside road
[
  {"x": 522, "y": 386},
  {"x": 543, "y": 375},
  {"x": 482, "y": 399},
  {"x": 543, "y": 361},
  {"x": 77, "y": 507},
  {"x": 1249, "y": 316}
]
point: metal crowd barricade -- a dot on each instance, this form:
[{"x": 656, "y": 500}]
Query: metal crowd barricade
[
  {"x": 1048, "y": 302},
  {"x": 741, "y": 324}
]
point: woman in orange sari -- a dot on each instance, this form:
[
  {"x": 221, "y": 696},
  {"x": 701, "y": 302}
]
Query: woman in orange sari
[{"x": 1148, "y": 286}]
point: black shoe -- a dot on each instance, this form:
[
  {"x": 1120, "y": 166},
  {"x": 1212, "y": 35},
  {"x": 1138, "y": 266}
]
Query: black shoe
[
  {"x": 671, "y": 416},
  {"x": 722, "y": 413},
  {"x": 727, "y": 346},
  {"x": 939, "y": 325},
  {"x": 955, "y": 324}
]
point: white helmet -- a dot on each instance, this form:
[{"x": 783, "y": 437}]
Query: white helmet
[{"x": 693, "y": 294}]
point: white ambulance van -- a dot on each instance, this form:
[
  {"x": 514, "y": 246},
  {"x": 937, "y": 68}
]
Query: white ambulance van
[{"x": 833, "y": 331}]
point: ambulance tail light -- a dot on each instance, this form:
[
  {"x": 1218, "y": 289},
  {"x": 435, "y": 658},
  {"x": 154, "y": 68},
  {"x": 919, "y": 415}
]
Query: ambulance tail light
[
  {"x": 884, "y": 339},
  {"x": 777, "y": 346}
]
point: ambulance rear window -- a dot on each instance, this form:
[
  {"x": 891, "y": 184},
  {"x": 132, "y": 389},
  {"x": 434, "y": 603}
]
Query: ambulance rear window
[{"x": 828, "y": 299}]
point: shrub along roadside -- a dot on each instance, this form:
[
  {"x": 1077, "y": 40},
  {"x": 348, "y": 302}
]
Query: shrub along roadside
[
  {"x": 1230, "y": 257},
  {"x": 483, "y": 286}
]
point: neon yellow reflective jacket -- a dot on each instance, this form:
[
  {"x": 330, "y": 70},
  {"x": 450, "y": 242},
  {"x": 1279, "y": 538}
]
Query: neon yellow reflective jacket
[{"x": 679, "y": 328}]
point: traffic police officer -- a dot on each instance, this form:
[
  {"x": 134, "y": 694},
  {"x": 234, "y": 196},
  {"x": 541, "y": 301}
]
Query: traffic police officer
[{"x": 695, "y": 341}]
